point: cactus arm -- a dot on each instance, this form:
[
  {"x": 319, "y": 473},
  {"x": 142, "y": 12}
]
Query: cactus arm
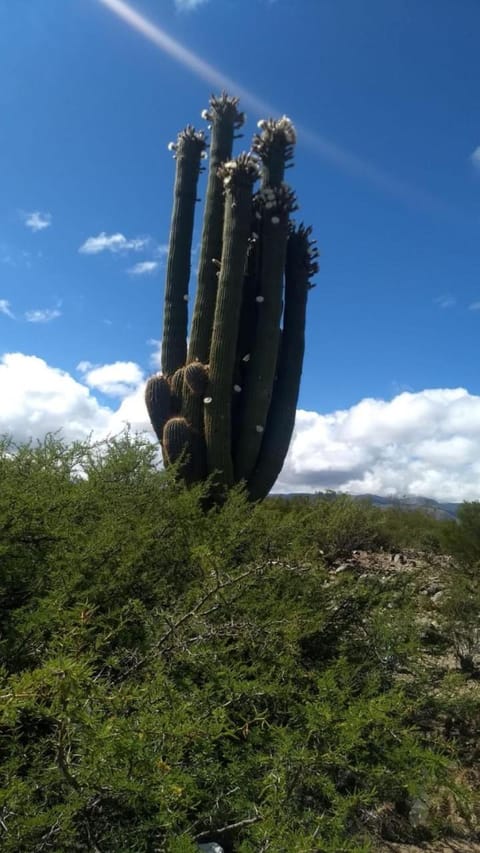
[
  {"x": 263, "y": 360},
  {"x": 176, "y": 386},
  {"x": 196, "y": 378},
  {"x": 225, "y": 118},
  {"x": 239, "y": 176},
  {"x": 195, "y": 385},
  {"x": 159, "y": 406},
  {"x": 188, "y": 152},
  {"x": 248, "y": 316},
  {"x": 157, "y": 400},
  {"x": 301, "y": 265},
  {"x": 247, "y": 328},
  {"x": 179, "y": 447}
]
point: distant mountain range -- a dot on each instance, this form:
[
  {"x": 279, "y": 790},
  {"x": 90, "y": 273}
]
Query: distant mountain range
[{"x": 436, "y": 508}]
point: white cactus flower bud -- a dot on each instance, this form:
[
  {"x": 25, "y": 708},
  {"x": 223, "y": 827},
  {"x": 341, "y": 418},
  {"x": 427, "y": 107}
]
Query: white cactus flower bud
[
  {"x": 185, "y": 297},
  {"x": 207, "y": 400},
  {"x": 246, "y": 357},
  {"x": 259, "y": 299},
  {"x": 204, "y": 155},
  {"x": 237, "y": 388},
  {"x": 171, "y": 146},
  {"x": 204, "y": 114},
  {"x": 261, "y": 124},
  {"x": 275, "y": 220},
  {"x": 259, "y": 428}
]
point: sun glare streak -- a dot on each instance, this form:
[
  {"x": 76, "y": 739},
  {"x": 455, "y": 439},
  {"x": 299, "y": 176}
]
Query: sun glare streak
[
  {"x": 344, "y": 160},
  {"x": 185, "y": 57}
]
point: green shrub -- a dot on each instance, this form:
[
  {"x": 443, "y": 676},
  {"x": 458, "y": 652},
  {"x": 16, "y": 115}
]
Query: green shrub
[
  {"x": 463, "y": 541},
  {"x": 170, "y": 675}
]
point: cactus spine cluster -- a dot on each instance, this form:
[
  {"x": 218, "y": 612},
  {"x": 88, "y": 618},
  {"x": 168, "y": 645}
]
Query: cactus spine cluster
[{"x": 224, "y": 406}]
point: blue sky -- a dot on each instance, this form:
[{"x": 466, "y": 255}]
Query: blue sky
[{"x": 384, "y": 95}]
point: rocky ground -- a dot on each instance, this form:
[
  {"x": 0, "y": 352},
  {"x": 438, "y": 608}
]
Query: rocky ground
[{"x": 432, "y": 575}]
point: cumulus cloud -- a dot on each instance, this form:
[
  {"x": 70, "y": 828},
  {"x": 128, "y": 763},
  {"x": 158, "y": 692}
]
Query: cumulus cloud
[
  {"x": 474, "y": 306},
  {"x": 475, "y": 157},
  {"x": 144, "y": 268},
  {"x": 42, "y": 315},
  {"x": 155, "y": 359},
  {"x": 36, "y": 398},
  {"x": 114, "y": 243},
  {"x": 37, "y": 221},
  {"x": 117, "y": 380},
  {"x": 5, "y": 308},
  {"x": 425, "y": 443}
]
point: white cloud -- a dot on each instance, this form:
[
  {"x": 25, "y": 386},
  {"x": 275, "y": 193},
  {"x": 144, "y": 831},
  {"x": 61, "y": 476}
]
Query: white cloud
[
  {"x": 425, "y": 443},
  {"x": 161, "y": 249},
  {"x": 475, "y": 157},
  {"x": 189, "y": 5},
  {"x": 155, "y": 359},
  {"x": 132, "y": 411},
  {"x": 144, "y": 268},
  {"x": 36, "y": 220},
  {"x": 474, "y": 306},
  {"x": 112, "y": 243},
  {"x": 117, "y": 380},
  {"x": 445, "y": 301},
  {"x": 5, "y": 308},
  {"x": 36, "y": 399},
  {"x": 42, "y": 315}
]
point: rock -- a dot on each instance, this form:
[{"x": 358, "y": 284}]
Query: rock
[
  {"x": 436, "y": 599},
  {"x": 432, "y": 634},
  {"x": 399, "y": 558},
  {"x": 342, "y": 568},
  {"x": 210, "y": 847},
  {"x": 418, "y": 813}
]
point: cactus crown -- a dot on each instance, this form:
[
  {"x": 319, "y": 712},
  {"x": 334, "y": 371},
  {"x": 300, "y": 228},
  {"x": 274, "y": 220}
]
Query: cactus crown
[
  {"x": 224, "y": 107},
  {"x": 305, "y": 248},
  {"x": 190, "y": 143},
  {"x": 243, "y": 171},
  {"x": 227, "y": 408},
  {"x": 274, "y": 145},
  {"x": 277, "y": 200}
]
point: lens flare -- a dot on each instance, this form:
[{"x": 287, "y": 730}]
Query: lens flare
[{"x": 343, "y": 159}]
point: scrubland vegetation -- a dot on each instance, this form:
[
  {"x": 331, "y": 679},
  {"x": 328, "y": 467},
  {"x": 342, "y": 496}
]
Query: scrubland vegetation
[{"x": 298, "y": 675}]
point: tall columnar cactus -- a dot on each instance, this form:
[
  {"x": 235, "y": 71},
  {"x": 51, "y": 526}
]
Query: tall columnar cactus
[{"x": 226, "y": 407}]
